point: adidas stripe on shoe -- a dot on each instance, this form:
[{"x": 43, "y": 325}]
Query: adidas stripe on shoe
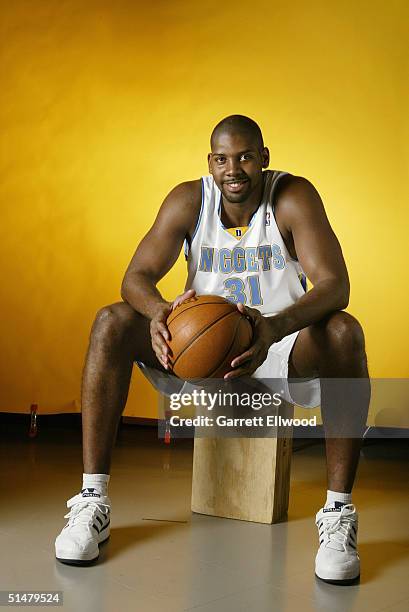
[{"x": 88, "y": 526}]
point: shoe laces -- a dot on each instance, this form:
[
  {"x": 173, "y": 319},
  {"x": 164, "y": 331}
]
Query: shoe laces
[
  {"x": 338, "y": 530},
  {"x": 83, "y": 512}
]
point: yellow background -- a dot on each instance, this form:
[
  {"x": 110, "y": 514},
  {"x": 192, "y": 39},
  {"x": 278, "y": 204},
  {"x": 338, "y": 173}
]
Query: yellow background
[{"x": 107, "y": 105}]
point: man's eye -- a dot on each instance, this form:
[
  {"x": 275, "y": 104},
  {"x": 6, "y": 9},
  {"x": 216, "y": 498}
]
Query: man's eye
[
  {"x": 245, "y": 157},
  {"x": 220, "y": 160}
]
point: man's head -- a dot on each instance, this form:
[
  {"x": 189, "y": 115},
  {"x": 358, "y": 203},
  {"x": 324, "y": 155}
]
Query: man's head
[{"x": 237, "y": 157}]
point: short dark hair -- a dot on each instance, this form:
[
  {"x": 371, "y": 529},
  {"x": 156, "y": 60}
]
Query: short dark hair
[{"x": 237, "y": 123}]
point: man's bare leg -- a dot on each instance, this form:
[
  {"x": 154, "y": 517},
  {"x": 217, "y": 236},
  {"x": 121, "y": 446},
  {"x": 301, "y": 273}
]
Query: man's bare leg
[
  {"x": 334, "y": 348},
  {"x": 119, "y": 336}
]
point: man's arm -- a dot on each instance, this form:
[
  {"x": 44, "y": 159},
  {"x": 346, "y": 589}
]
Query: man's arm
[
  {"x": 301, "y": 217},
  {"x": 155, "y": 256},
  {"x": 160, "y": 248}
]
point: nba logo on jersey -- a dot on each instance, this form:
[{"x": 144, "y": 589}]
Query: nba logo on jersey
[
  {"x": 267, "y": 218},
  {"x": 238, "y": 232}
]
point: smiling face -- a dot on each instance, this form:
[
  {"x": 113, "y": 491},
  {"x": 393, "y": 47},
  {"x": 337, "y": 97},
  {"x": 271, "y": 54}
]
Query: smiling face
[{"x": 236, "y": 163}]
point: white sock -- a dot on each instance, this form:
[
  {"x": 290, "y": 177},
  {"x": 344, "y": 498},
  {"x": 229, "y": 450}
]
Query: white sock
[
  {"x": 335, "y": 496},
  {"x": 97, "y": 481}
]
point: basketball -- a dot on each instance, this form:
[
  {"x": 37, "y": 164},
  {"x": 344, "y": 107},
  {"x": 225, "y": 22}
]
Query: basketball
[{"x": 207, "y": 333}]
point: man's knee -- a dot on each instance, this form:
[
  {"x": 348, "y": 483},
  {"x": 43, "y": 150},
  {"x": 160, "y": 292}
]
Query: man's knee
[
  {"x": 114, "y": 320},
  {"x": 340, "y": 333}
]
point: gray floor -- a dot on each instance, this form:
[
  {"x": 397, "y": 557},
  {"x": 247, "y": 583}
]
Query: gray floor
[{"x": 162, "y": 557}]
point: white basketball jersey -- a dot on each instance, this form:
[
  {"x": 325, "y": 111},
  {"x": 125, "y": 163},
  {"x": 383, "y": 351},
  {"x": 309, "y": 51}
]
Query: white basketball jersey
[{"x": 255, "y": 269}]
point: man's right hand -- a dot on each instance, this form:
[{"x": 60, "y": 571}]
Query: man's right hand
[{"x": 159, "y": 330}]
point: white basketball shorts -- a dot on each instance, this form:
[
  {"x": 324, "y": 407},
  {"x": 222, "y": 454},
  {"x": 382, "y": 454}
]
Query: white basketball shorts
[{"x": 273, "y": 372}]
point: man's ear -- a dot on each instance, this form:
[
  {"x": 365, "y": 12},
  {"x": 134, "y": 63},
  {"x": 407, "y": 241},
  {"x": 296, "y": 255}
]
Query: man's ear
[
  {"x": 209, "y": 157},
  {"x": 265, "y": 154}
]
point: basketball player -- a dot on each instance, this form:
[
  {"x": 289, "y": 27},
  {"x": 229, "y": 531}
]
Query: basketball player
[{"x": 251, "y": 235}]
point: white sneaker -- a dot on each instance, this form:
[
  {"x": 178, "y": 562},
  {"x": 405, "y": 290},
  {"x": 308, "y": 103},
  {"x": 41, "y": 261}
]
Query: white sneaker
[
  {"x": 87, "y": 527},
  {"x": 337, "y": 560}
]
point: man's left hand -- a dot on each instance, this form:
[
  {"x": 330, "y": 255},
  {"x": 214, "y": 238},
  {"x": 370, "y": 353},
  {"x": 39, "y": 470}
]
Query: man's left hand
[{"x": 265, "y": 333}]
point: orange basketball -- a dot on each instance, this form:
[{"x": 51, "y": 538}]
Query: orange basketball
[{"x": 207, "y": 332}]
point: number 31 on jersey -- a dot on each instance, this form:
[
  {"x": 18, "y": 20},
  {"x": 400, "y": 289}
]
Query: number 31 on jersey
[{"x": 237, "y": 290}]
